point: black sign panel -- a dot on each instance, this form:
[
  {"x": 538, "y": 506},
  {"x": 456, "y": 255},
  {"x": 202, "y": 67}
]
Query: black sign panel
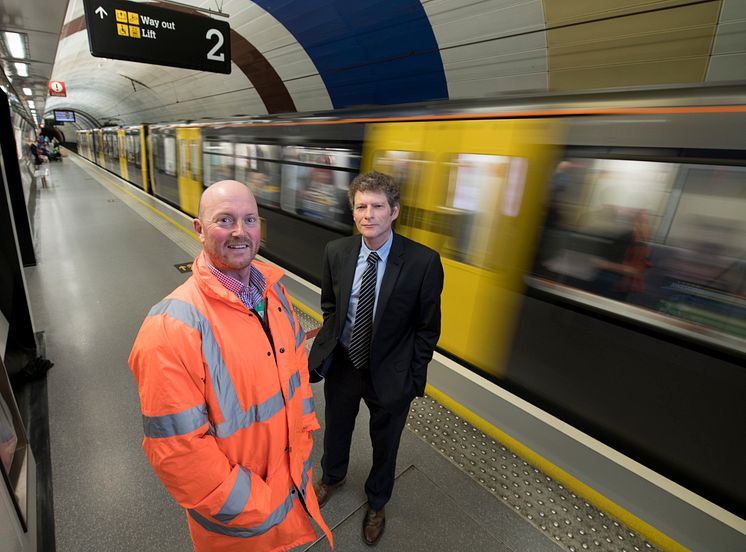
[
  {"x": 184, "y": 268},
  {"x": 119, "y": 29}
]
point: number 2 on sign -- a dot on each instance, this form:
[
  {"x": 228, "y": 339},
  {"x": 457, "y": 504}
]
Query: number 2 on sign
[{"x": 212, "y": 55}]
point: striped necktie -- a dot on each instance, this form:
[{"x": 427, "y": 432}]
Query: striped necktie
[{"x": 363, "y": 329}]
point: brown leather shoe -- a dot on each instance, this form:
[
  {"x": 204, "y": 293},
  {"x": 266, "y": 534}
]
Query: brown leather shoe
[
  {"x": 324, "y": 491},
  {"x": 373, "y": 525}
]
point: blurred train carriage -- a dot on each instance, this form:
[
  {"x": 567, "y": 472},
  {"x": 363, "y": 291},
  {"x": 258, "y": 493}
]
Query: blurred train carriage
[{"x": 593, "y": 245}]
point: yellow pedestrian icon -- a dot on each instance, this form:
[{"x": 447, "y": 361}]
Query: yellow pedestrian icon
[{"x": 121, "y": 16}]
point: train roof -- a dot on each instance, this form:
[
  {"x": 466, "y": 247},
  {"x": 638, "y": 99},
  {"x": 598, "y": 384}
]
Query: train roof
[{"x": 702, "y": 97}]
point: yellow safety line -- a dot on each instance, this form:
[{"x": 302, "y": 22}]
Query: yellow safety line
[
  {"x": 649, "y": 532},
  {"x": 308, "y": 310},
  {"x": 578, "y": 487}
]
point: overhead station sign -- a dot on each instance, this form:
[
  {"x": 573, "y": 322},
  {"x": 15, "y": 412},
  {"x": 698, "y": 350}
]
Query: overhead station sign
[{"x": 118, "y": 29}]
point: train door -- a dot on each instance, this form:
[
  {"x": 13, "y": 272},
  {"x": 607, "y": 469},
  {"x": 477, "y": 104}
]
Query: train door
[
  {"x": 151, "y": 166},
  {"x": 83, "y": 144},
  {"x": 111, "y": 150},
  {"x": 143, "y": 157},
  {"x": 122, "y": 153},
  {"x": 474, "y": 194},
  {"x": 98, "y": 142},
  {"x": 88, "y": 146},
  {"x": 189, "y": 152}
]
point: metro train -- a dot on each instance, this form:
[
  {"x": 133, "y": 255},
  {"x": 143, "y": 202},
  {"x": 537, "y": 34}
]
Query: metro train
[{"x": 594, "y": 245}]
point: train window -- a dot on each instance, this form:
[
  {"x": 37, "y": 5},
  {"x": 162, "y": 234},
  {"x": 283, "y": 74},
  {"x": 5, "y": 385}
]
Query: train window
[
  {"x": 405, "y": 167},
  {"x": 259, "y": 151},
  {"x": 194, "y": 160},
  {"x": 133, "y": 148},
  {"x": 255, "y": 167},
  {"x": 169, "y": 155},
  {"x": 337, "y": 157},
  {"x": 666, "y": 237},
  {"x": 182, "y": 157},
  {"x": 107, "y": 145},
  {"x": 479, "y": 187},
  {"x": 701, "y": 266},
  {"x": 315, "y": 182},
  {"x": 218, "y": 161},
  {"x": 597, "y": 209}
]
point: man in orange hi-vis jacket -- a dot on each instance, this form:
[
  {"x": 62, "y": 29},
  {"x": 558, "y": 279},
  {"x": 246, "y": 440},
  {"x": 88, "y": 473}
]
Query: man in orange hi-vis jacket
[{"x": 223, "y": 379}]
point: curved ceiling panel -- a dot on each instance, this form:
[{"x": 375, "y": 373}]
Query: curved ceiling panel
[
  {"x": 147, "y": 93},
  {"x": 641, "y": 42},
  {"x": 367, "y": 51},
  {"x": 322, "y": 54},
  {"x": 728, "y": 59},
  {"x": 490, "y": 47}
]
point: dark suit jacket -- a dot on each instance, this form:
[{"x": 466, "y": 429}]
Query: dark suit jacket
[{"x": 406, "y": 326}]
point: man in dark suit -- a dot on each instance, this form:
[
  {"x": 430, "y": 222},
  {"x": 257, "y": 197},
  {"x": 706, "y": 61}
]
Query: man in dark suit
[{"x": 380, "y": 298}]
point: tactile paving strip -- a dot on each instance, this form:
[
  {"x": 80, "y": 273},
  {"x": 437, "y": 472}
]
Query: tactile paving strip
[
  {"x": 572, "y": 522},
  {"x": 308, "y": 323},
  {"x": 569, "y": 520}
]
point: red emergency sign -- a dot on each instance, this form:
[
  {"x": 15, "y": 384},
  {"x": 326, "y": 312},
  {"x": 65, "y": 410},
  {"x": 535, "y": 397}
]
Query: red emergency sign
[{"x": 57, "y": 88}]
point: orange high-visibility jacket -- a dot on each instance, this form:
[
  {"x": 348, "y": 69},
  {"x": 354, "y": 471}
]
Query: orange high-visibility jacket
[{"x": 228, "y": 414}]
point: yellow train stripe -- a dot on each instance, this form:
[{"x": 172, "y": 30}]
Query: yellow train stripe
[{"x": 649, "y": 532}]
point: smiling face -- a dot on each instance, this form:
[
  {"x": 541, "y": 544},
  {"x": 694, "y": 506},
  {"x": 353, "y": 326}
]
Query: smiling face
[
  {"x": 373, "y": 217},
  {"x": 229, "y": 227}
]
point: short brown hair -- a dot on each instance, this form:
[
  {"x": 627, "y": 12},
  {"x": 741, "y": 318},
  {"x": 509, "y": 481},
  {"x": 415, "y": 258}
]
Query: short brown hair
[{"x": 375, "y": 181}]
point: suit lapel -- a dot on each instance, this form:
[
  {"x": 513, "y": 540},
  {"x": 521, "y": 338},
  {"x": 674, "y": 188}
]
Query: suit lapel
[
  {"x": 393, "y": 267},
  {"x": 347, "y": 273}
]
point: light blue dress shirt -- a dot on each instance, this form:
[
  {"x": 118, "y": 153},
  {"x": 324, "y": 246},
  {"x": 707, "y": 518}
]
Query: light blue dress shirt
[{"x": 362, "y": 262}]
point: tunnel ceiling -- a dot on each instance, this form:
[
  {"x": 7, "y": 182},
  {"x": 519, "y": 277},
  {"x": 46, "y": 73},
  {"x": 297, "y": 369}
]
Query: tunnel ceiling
[{"x": 323, "y": 54}]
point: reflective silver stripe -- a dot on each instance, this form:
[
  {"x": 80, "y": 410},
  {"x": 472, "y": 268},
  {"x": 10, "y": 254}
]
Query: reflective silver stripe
[
  {"x": 256, "y": 413},
  {"x": 308, "y": 405},
  {"x": 235, "y": 417},
  {"x": 238, "y": 498},
  {"x": 275, "y": 518},
  {"x": 180, "y": 423},
  {"x": 221, "y": 380},
  {"x": 299, "y": 337},
  {"x": 299, "y": 333},
  {"x": 306, "y": 468},
  {"x": 293, "y": 384}
]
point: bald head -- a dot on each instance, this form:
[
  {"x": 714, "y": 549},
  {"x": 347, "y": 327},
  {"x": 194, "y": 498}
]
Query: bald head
[
  {"x": 229, "y": 227},
  {"x": 221, "y": 190}
]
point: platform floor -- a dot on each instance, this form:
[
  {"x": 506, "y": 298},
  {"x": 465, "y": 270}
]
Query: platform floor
[{"x": 102, "y": 263}]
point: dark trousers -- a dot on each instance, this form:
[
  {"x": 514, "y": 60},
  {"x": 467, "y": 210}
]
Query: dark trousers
[{"x": 344, "y": 386}]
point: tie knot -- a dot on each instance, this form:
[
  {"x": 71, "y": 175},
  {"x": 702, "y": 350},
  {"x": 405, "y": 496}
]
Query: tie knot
[{"x": 373, "y": 258}]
